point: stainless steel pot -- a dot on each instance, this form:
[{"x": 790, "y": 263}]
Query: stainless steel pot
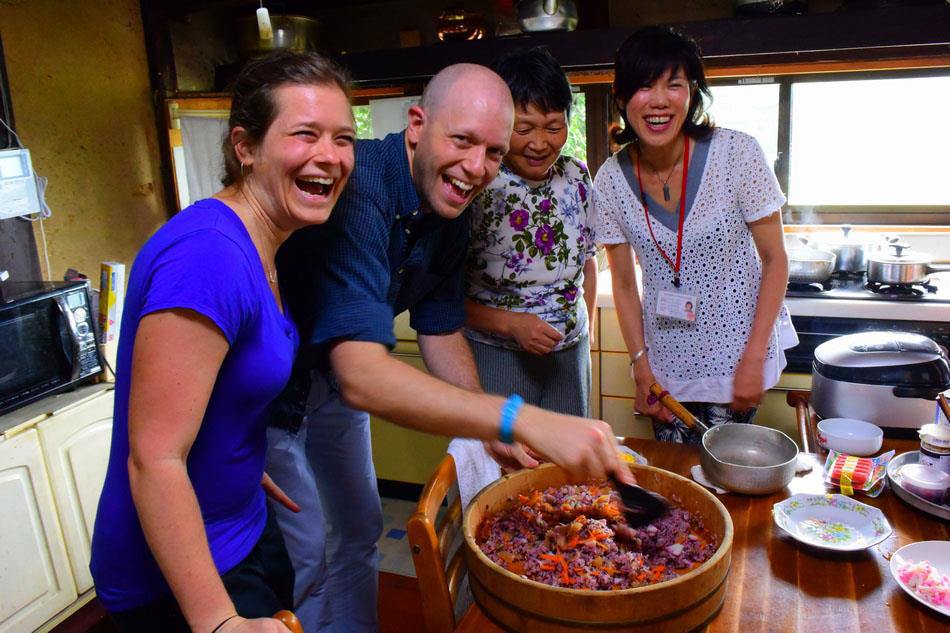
[
  {"x": 810, "y": 265},
  {"x": 746, "y": 458},
  {"x": 900, "y": 267},
  {"x": 547, "y": 15},
  {"x": 851, "y": 249},
  {"x": 292, "y": 32}
]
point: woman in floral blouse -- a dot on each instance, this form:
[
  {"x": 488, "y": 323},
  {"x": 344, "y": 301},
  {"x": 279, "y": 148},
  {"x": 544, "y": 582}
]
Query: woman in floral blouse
[{"x": 532, "y": 275}]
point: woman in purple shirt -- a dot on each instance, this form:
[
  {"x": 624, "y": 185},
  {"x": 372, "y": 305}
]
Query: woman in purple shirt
[{"x": 183, "y": 537}]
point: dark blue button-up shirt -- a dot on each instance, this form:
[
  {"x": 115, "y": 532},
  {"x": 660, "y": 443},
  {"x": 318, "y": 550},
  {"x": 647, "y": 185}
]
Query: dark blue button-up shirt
[{"x": 376, "y": 256}]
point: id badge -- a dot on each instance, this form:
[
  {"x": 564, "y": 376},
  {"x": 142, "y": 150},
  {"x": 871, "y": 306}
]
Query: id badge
[{"x": 676, "y": 305}]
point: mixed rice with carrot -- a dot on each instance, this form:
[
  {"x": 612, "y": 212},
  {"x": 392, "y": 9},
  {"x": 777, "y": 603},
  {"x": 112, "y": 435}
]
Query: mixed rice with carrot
[{"x": 575, "y": 536}]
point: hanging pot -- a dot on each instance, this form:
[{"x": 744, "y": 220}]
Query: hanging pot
[
  {"x": 900, "y": 267},
  {"x": 290, "y": 32},
  {"x": 547, "y": 15}
]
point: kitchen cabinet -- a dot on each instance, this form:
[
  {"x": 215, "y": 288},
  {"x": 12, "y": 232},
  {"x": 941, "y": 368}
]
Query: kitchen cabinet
[
  {"x": 36, "y": 581},
  {"x": 76, "y": 447},
  {"x": 401, "y": 454}
]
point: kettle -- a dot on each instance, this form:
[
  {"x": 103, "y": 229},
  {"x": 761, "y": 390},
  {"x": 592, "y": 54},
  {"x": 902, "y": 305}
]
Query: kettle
[{"x": 547, "y": 15}]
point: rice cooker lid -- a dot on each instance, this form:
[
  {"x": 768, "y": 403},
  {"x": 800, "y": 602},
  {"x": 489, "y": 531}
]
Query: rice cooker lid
[{"x": 884, "y": 358}]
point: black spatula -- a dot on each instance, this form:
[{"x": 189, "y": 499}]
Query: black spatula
[{"x": 640, "y": 506}]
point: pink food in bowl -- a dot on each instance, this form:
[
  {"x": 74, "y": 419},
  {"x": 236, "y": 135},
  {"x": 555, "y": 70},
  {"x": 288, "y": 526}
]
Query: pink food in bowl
[{"x": 926, "y": 581}]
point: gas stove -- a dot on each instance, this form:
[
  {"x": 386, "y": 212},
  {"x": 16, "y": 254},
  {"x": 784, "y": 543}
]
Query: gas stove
[
  {"x": 847, "y": 304},
  {"x": 853, "y": 296},
  {"x": 934, "y": 290}
]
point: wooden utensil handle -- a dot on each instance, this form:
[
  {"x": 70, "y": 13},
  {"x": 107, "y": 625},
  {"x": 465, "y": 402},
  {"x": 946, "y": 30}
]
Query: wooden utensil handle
[
  {"x": 676, "y": 408},
  {"x": 944, "y": 405}
]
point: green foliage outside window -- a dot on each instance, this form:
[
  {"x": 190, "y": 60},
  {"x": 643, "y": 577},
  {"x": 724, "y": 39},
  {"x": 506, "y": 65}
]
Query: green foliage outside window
[
  {"x": 364, "y": 121},
  {"x": 576, "y": 145}
]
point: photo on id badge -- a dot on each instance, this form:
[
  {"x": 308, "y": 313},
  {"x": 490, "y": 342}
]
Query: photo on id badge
[{"x": 676, "y": 305}]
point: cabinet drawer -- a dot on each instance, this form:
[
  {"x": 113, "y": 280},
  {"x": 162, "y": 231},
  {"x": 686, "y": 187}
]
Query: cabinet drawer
[
  {"x": 610, "y": 338},
  {"x": 401, "y": 454},
  {"x": 620, "y": 414},
  {"x": 615, "y": 377}
]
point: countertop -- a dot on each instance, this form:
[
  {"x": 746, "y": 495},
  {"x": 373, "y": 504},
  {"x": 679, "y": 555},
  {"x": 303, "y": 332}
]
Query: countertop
[
  {"x": 28, "y": 415},
  {"x": 777, "y": 584}
]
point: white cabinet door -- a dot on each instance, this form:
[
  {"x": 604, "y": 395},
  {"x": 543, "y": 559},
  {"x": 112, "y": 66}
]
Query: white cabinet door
[
  {"x": 76, "y": 445},
  {"x": 35, "y": 580}
]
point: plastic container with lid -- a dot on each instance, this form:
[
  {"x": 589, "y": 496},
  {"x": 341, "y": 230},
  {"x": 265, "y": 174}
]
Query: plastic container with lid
[
  {"x": 925, "y": 481},
  {"x": 935, "y": 446}
]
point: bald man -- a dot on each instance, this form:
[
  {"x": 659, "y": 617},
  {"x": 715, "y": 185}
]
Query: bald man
[{"x": 396, "y": 241}]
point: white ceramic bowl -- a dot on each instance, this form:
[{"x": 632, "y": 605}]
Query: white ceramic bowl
[{"x": 854, "y": 437}]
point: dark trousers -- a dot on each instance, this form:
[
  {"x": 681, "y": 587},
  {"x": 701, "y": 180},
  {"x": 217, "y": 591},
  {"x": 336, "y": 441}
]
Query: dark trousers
[{"x": 260, "y": 585}]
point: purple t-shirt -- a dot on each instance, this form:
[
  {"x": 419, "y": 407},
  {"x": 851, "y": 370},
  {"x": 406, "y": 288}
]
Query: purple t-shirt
[{"x": 202, "y": 260}]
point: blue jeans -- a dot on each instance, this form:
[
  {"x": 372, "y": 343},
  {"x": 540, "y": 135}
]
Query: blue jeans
[{"x": 327, "y": 468}]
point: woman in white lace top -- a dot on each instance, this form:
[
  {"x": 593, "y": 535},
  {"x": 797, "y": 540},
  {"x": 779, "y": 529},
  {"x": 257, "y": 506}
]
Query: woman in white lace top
[{"x": 701, "y": 209}]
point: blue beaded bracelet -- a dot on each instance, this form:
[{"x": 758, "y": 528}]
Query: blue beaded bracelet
[{"x": 509, "y": 412}]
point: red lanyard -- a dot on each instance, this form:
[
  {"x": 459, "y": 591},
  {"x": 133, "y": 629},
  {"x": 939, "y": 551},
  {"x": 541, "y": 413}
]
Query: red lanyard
[{"x": 679, "y": 231}]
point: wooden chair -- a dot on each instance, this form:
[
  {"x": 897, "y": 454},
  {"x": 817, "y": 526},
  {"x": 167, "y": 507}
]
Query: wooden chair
[
  {"x": 439, "y": 578},
  {"x": 289, "y": 620}
]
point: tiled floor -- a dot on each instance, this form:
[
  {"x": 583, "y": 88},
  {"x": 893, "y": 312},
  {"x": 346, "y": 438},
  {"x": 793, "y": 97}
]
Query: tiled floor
[{"x": 394, "y": 554}]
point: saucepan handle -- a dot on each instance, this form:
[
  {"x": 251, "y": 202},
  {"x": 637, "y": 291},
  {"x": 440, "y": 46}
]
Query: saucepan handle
[{"x": 677, "y": 408}]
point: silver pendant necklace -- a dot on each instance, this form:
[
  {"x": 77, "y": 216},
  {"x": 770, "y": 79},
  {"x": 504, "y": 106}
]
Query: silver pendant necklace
[{"x": 665, "y": 182}]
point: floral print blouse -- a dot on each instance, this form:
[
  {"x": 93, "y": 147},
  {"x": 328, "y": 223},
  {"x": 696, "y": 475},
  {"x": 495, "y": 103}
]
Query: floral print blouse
[{"x": 529, "y": 244}]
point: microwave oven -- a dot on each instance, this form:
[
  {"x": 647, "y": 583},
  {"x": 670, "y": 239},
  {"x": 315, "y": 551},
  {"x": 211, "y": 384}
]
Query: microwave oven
[{"x": 47, "y": 340}]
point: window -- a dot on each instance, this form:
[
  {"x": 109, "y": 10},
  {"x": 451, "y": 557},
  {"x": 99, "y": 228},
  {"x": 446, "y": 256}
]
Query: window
[
  {"x": 752, "y": 109},
  {"x": 576, "y": 145},
  {"x": 870, "y": 142},
  {"x": 859, "y": 147},
  {"x": 364, "y": 121}
]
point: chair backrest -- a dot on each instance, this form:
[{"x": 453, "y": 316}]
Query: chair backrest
[{"x": 431, "y": 541}]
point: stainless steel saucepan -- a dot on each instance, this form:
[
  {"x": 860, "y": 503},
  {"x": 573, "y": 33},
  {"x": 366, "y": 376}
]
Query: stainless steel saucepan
[
  {"x": 810, "y": 265},
  {"x": 900, "y": 267},
  {"x": 746, "y": 458},
  {"x": 851, "y": 249}
]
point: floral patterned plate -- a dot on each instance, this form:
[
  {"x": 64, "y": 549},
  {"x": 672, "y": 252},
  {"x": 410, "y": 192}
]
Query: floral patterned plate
[{"x": 833, "y": 522}]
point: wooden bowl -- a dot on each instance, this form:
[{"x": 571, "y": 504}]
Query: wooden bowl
[{"x": 518, "y": 604}]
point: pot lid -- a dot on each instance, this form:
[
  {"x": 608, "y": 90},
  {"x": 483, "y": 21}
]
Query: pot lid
[
  {"x": 846, "y": 237},
  {"x": 884, "y": 358},
  {"x": 898, "y": 254}
]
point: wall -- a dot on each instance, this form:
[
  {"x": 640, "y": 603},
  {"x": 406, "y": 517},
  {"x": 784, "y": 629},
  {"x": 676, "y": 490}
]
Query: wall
[{"x": 79, "y": 85}]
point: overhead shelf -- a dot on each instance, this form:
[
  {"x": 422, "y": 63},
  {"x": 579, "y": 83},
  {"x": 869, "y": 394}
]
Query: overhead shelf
[{"x": 907, "y": 32}]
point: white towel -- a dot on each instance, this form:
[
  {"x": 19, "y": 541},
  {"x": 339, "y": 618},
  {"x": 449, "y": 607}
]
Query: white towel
[{"x": 474, "y": 467}]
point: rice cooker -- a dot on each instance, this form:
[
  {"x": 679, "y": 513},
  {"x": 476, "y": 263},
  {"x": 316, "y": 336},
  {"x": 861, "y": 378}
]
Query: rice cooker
[{"x": 889, "y": 378}]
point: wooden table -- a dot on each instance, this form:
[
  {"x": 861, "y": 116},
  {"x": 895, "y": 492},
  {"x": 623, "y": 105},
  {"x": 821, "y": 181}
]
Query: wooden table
[{"x": 779, "y": 584}]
